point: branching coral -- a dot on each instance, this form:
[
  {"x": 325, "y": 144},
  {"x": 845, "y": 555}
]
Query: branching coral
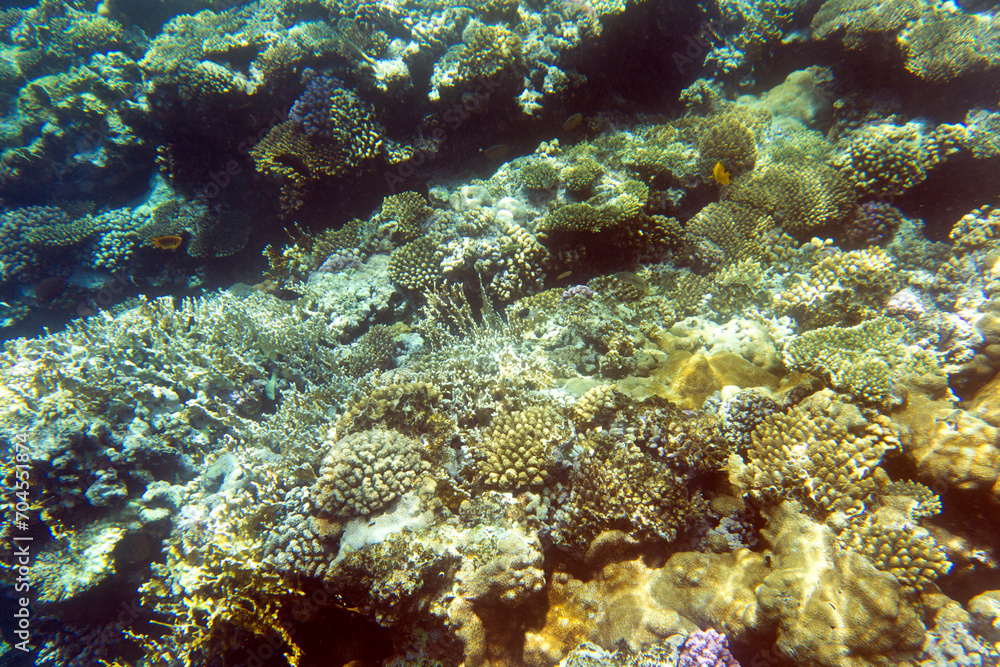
[
  {"x": 726, "y": 232},
  {"x": 727, "y": 140},
  {"x": 366, "y": 471},
  {"x": 335, "y": 137},
  {"x": 809, "y": 455},
  {"x": 623, "y": 488},
  {"x": 520, "y": 446},
  {"x": 841, "y": 288},
  {"x": 801, "y": 197},
  {"x": 941, "y": 47},
  {"x": 886, "y": 160}
]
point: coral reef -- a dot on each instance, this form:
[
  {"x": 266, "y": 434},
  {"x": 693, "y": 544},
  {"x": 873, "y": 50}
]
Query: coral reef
[{"x": 584, "y": 332}]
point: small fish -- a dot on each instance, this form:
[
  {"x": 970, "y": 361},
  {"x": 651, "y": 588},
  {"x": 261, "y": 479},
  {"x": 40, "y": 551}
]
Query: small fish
[
  {"x": 573, "y": 122},
  {"x": 564, "y": 274},
  {"x": 169, "y": 242},
  {"x": 633, "y": 280},
  {"x": 496, "y": 152},
  {"x": 50, "y": 289},
  {"x": 523, "y": 313},
  {"x": 294, "y": 162},
  {"x": 271, "y": 387},
  {"x": 286, "y": 294},
  {"x": 720, "y": 174},
  {"x": 41, "y": 94}
]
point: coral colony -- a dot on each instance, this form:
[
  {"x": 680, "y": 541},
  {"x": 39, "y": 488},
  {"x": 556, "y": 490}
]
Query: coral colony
[{"x": 514, "y": 333}]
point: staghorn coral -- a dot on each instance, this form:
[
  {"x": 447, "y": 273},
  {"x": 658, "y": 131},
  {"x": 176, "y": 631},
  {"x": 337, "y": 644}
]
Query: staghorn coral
[{"x": 365, "y": 472}]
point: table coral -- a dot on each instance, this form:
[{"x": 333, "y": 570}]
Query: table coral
[
  {"x": 861, "y": 24},
  {"x": 871, "y": 360}
]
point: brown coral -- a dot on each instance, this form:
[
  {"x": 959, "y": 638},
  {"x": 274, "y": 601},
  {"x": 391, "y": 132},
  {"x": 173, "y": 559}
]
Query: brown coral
[{"x": 801, "y": 197}]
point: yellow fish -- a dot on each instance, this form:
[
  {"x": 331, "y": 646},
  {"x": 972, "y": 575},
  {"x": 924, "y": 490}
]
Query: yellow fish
[
  {"x": 720, "y": 174},
  {"x": 169, "y": 242}
]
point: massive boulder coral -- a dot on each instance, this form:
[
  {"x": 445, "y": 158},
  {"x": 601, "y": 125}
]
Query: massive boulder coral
[{"x": 832, "y": 607}]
